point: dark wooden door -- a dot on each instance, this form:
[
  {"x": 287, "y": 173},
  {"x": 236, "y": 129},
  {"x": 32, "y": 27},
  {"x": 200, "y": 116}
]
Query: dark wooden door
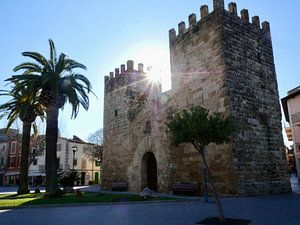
[
  {"x": 152, "y": 172},
  {"x": 83, "y": 178}
]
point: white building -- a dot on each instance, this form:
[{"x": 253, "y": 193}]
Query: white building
[
  {"x": 291, "y": 108},
  {"x": 3, "y": 157},
  {"x": 71, "y": 154}
]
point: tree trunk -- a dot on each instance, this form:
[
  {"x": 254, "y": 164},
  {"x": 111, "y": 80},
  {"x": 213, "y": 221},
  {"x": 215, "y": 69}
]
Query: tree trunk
[
  {"x": 205, "y": 184},
  {"x": 219, "y": 206},
  {"x": 52, "y": 188},
  {"x": 23, "y": 184}
]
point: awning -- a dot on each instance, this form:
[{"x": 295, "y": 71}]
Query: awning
[
  {"x": 30, "y": 174},
  {"x": 12, "y": 173},
  {"x": 35, "y": 174}
]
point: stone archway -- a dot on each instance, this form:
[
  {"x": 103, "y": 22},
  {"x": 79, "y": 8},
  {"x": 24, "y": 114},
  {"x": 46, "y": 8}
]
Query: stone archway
[{"x": 149, "y": 171}]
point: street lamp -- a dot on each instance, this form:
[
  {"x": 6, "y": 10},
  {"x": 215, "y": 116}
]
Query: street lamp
[{"x": 74, "y": 148}]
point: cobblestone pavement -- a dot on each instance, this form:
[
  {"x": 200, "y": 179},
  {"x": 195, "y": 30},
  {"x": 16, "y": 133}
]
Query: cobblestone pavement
[{"x": 264, "y": 210}]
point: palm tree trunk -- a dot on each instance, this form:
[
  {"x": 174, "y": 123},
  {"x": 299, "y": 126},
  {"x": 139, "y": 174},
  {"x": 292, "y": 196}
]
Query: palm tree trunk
[
  {"x": 23, "y": 184},
  {"x": 219, "y": 206},
  {"x": 52, "y": 188}
]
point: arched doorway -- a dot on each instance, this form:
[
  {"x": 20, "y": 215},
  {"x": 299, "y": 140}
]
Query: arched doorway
[{"x": 149, "y": 171}]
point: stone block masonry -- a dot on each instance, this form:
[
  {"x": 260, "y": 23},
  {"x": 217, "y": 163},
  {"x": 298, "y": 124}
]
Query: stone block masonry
[{"x": 222, "y": 62}]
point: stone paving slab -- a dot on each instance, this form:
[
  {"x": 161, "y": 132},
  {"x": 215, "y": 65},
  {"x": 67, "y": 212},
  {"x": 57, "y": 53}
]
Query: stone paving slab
[
  {"x": 263, "y": 210},
  {"x": 269, "y": 210}
]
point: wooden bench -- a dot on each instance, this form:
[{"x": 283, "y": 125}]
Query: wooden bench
[
  {"x": 119, "y": 186},
  {"x": 185, "y": 189}
]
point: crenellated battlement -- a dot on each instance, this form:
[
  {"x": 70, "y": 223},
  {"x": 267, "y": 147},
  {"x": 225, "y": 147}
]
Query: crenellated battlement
[
  {"x": 124, "y": 75},
  {"x": 218, "y": 7}
]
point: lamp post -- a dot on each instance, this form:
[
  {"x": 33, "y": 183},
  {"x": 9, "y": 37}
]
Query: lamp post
[{"x": 74, "y": 148}]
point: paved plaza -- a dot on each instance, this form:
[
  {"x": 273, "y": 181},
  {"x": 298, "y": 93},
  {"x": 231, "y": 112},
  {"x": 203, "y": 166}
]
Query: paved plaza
[
  {"x": 271, "y": 210},
  {"x": 264, "y": 210}
]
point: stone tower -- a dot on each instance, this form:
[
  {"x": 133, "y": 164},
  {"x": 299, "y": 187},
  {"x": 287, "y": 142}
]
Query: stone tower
[
  {"x": 224, "y": 63},
  {"x": 131, "y": 110}
]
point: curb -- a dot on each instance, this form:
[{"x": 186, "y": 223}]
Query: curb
[{"x": 97, "y": 204}]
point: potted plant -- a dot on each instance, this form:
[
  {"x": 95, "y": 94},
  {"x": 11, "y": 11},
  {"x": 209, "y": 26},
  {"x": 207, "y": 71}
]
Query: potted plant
[{"x": 68, "y": 179}]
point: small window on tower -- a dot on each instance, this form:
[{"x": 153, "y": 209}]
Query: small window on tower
[
  {"x": 147, "y": 127},
  {"x": 116, "y": 112}
]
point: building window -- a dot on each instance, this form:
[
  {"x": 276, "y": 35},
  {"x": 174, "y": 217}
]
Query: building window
[
  {"x": 97, "y": 162},
  {"x": 116, "y": 112},
  {"x": 57, "y": 163},
  {"x": 8, "y": 161},
  {"x": 290, "y": 151},
  {"x": 12, "y": 162},
  {"x": 298, "y": 148},
  {"x": 2, "y": 162},
  {"x": 83, "y": 163},
  {"x": 58, "y": 147},
  {"x": 35, "y": 162},
  {"x": 41, "y": 152},
  {"x": 147, "y": 128},
  {"x": 42, "y": 168},
  {"x": 13, "y": 148},
  {"x": 3, "y": 148},
  {"x": 33, "y": 150}
]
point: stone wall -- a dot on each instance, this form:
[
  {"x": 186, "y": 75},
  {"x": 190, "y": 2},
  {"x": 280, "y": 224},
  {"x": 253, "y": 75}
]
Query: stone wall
[
  {"x": 198, "y": 72},
  {"x": 116, "y": 155},
  {"x": 254, "y": 103}
]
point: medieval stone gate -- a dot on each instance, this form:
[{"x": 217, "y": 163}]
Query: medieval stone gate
[{"x": 223, "y": 62}]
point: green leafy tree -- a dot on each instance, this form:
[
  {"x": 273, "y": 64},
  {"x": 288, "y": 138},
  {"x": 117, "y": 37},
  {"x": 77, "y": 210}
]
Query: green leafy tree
[
  {"x": 24, "y": 105},
  {"x": 200, "y": 128},
  {"x": 57, "y": 83}
]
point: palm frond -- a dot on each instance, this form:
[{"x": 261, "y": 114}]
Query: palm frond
[
  {"x": 59, "y": 67},
  {"x": 76, "y": 88},
  {"x": 37, "y": 57},
  {"x": 52, "y": 54},
  {"x": 28, "y": 66},
  {"x": 87, "y": 85},
  {"x": 72, "y": 64},
  {"x": 11, "y": 120}
]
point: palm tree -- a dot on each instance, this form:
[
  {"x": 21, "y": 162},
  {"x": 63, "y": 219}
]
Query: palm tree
[
  {"x": 23, "y": 105},
  {"x": 56, "y": 84}
]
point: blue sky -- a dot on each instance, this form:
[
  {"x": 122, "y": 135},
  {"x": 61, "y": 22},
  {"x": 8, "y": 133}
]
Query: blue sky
[{"x": 104, "y": 34}]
